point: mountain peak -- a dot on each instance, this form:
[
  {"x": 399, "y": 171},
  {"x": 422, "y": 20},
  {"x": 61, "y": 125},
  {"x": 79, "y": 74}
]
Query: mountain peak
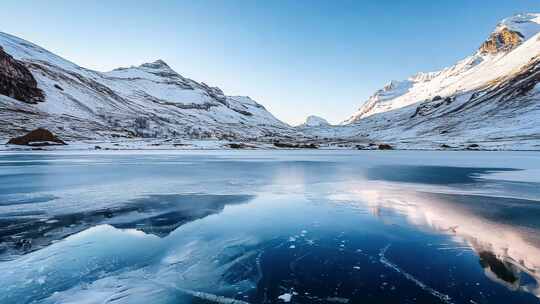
[
  {"x": 157, "y": 65},
  {"x": 315, "y": 121},
  {"x": 511, "y": 32},
  {"x": 527, "y": 24}
]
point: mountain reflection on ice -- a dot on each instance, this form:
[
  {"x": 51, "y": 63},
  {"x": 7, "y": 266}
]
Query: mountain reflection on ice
[
  {"x": 154, "y": 214},
  {"x": 503, "y": 231},
  {"x": 264, "y": 227}
]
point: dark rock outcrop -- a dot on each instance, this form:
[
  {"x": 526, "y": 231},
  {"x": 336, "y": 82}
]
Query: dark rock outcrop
[
  {"x": 501, "y": 41},
  {"x": 239, "y": 146},
  {"x": 38, "y": 137},
  {"x": 295, "y": 145},
  {"x": 427, "y": 107},
  {"x": 385, "y": 147},
  {"x": 508, "y": 90},
  {"x": 16, "y": 81}
]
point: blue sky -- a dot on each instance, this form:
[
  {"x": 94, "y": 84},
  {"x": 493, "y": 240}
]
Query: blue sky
[{"x": 295, "y": 57}]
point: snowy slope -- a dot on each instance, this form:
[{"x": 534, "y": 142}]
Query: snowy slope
[
  {"x": 469, "y": 74},
  {"x": 150, "y": 100},
  {"x": 490, "y": 96}
]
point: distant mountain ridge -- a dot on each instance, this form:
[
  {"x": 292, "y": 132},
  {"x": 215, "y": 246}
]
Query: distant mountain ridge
[
  {"x": 314, "y": 121},
  {"x": 150, "y": 100}
]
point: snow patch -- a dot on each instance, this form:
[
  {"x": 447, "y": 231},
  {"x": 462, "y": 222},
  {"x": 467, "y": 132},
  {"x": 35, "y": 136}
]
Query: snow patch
[{"x": 286, "y": 297}]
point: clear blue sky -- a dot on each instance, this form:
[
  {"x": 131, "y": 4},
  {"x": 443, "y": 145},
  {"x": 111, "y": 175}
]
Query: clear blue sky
[{"x": 295, "y": 57}]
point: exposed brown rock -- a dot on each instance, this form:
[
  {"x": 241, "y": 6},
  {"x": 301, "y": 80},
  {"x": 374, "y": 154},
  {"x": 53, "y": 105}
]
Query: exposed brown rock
[
  {"x": 38, "y": 137},
  {"x": 16, "y": 81},
  {"x": 385, "y": 147},
  {"x": 501, "y": 41}
]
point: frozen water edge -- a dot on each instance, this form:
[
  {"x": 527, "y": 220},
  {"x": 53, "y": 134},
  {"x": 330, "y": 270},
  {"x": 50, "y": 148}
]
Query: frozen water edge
[{"x": 209, "y": 144}]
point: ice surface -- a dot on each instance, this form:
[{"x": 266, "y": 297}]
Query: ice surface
[{"x": 217, "y": 226}]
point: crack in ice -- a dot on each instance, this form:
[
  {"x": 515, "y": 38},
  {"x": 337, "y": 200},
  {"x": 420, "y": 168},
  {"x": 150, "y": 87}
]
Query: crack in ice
[
  {"x": 382, "y": 258},
  {"x": 201, "y": 295}
]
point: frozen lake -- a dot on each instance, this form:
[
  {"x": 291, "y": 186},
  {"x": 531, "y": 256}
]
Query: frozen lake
[{"x": 270, "y": 227}]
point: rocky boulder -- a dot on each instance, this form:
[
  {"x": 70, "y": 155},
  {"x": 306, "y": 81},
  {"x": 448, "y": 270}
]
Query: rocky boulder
[
  {"x": 38, "y": 137},
  {"x": 385, "y": 147}
]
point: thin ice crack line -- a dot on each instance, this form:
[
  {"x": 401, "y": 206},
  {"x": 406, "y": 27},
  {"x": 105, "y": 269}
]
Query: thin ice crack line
[
  {"x": 382, "y": 258},
  {"x": 199, "y": 294}
]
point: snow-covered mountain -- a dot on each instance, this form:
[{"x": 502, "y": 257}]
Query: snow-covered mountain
[
  {"x": 493, "y": 59},
  {"x": 314, "y": 121},
  {"x": 42, "y": 89},
  {"x": 490, "y": 99},
  {"x": 490, "y": 96}
]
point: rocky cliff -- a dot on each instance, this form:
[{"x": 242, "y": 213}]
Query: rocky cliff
[
  {"x": 16, "y": 81},
  {"x": 501, "y": 41}
]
